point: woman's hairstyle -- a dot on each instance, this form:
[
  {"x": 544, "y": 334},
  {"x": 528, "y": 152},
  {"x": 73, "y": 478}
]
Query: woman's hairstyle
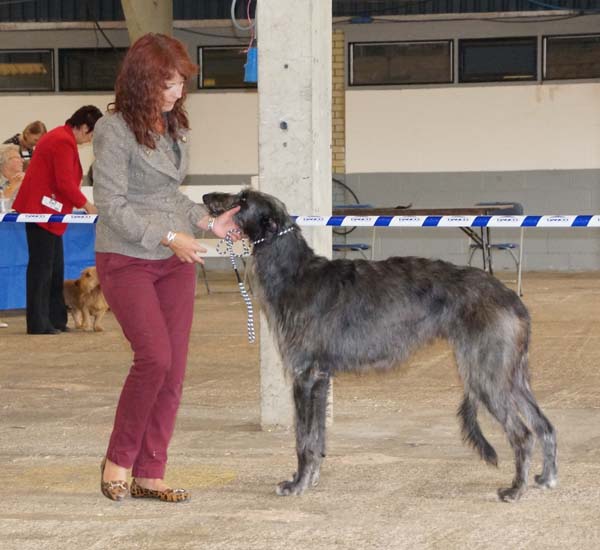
[
  {"x": 88, "y": 114},
  {"x": 150, "y": 62},
  {"x": 5, "y": 149},
  {"x": 36, "y": 128}
]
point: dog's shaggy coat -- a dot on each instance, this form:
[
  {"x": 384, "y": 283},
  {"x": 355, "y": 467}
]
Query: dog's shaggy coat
[
  {"x": 85, "y": 300},
  {"x": 352, "y": 315}
]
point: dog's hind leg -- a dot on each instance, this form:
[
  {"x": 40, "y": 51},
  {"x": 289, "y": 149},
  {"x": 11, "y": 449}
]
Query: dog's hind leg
[
  {"x": 492, "y": 362},
  {"x": 521, "y": 440},
  {"x": 310, "y": 400},
  {"x": 504, "y": 407},
  {"x": 546, "y": 434}
]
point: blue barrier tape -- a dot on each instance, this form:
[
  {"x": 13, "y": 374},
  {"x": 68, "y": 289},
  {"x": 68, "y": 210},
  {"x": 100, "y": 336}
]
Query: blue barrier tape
[{"x": 545, "y": 221}]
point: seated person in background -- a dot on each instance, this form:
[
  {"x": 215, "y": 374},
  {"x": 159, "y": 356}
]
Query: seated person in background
[
  {"x": 11, "y": 175},
  {"x": 28, "y": 138}
]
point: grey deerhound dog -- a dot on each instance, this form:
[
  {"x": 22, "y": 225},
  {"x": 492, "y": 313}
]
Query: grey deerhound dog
[{"x": 353, "y": 315}]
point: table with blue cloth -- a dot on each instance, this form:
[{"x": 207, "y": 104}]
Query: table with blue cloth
[{"x": 78, "y": 243}]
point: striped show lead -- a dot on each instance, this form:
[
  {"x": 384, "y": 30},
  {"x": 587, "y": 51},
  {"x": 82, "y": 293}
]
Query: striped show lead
[
  {"x": 581, "y": 220},
  {"x": 244, "y": 293}
]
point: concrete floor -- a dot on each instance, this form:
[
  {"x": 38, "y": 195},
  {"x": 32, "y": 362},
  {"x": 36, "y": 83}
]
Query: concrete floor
[{"x": 397, "y": 474}]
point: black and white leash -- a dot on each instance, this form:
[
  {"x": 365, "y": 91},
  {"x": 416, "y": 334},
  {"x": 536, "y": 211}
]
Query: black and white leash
[{"x": 245, "y": 252}]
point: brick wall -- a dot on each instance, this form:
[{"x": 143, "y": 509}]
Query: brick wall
[{"x": 338, "y": 134}]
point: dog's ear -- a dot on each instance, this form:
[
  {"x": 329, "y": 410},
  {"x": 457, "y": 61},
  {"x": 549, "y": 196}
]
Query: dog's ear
[
  {"x": 269, "y": 227},
  {"x": 242, "y": 196}
]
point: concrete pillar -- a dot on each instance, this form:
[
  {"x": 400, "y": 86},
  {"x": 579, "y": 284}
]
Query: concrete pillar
[
  {"x": 294, "y": 90},
  {"x": 144, "y": 16}
]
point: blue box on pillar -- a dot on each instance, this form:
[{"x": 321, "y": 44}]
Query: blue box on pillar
[{"x": 251, "y": 66}]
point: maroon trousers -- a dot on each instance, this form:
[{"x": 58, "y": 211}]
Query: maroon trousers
[{"x": 153, "y": 301}]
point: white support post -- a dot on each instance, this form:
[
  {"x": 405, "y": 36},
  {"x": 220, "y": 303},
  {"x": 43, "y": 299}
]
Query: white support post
[{"x": 294, "y": 85}]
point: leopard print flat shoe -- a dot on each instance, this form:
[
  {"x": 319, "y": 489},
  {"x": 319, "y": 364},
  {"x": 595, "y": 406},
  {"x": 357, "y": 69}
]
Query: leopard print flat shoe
[
  {"x": 113, "y": 490},
  {"x": 170, "y": 495}
]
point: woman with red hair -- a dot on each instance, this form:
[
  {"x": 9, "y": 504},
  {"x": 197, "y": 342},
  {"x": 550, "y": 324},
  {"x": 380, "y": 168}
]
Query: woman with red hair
[{"x": 146, "y": 255}]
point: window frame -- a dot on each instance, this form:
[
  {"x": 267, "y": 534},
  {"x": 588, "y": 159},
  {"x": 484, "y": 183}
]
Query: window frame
[
  {"x": 52, "y": 87},
  {"x": 59, "y": 87},
  {"x": 448, "y": 41},
  {"x": 490, "y": 80},
  {"x": 545, "y": 56},
  {"x": 200, "y": 61}
]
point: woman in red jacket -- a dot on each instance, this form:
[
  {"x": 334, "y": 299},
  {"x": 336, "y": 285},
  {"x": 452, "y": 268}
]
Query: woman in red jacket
[{"x": 51, "y": 186}]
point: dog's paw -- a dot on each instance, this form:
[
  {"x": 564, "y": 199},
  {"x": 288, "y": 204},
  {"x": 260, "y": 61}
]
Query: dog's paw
[
  {"x": 315, "y": 478},
  {"x": 543, "y": 482},
  {"x": 510, "y": 494},
  {"x": 287, "y": 488},
  {"x": 98, "y": 328}
]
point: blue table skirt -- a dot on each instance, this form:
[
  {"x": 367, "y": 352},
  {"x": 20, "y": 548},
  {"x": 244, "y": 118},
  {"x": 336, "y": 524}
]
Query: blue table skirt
[{"x": 78, "y": 242}]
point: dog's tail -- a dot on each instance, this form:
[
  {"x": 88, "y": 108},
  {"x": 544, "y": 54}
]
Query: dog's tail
[{"x": 472, "y": 432}]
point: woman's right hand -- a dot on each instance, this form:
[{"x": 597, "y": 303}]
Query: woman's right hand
[
  {"x": 14, "y": 182},
  {"x": 185, "y": 247},
  {"x": 90, "y": 208},
  {"x": 17, "y": 178}
]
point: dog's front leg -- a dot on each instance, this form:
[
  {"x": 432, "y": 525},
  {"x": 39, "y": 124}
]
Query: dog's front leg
[
  {"x": 76, "y": 313},
  {"x": 99, "y": 315},
  {"x": 87, "y": 319},
  {"x": 310, "y": 400}
]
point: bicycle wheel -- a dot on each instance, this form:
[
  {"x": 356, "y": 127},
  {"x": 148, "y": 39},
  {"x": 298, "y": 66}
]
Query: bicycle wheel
[{"x": 346, "y": 190}]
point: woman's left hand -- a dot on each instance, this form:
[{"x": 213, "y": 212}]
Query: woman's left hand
[{"x": 225, "y": 224}]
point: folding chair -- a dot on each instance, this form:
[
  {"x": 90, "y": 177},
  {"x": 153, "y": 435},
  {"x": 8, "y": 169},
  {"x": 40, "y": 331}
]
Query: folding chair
[
  {"x": 514, "y": 249},
  {"x": 353, "y": 247}
]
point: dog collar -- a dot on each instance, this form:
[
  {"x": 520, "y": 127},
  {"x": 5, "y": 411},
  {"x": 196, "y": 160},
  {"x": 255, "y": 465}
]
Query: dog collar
[{"x": 288, "y": 230}]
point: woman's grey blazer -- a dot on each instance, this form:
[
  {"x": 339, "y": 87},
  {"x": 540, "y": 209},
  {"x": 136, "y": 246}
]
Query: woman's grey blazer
[{"x": 136, "y": 191}]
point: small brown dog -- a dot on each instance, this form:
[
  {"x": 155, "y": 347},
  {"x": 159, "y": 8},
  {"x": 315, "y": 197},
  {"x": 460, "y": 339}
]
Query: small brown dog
[{"x": 85, "y": 300}]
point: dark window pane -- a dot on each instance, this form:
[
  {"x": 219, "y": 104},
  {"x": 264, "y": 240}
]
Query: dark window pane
[
  {"x": 26, "y": 70},
  {"x": 572, "y": 57},
  {"x": 401, "y": 63},
  {"x": 498, "y": 59},
  {"x": 222, "y": 68},
  {"x": 89, "y": 69}
]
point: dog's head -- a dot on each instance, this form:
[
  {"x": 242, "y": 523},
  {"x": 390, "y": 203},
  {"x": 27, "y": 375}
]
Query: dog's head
[
  {"x": 217, "y": 203},
  {"x": 261, "y": 216},
  {"x": 88, "y": 279}
]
